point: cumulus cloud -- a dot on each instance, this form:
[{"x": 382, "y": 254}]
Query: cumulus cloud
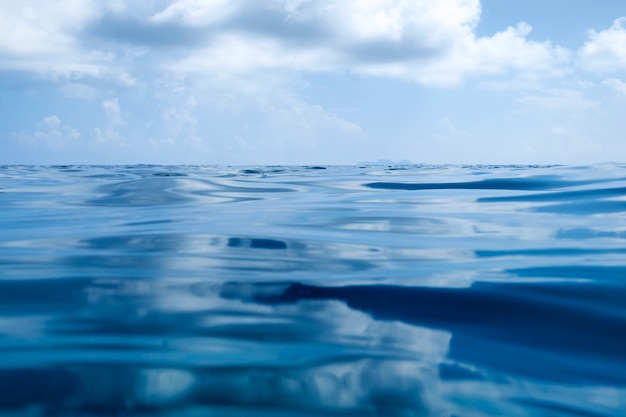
[
  {"x": 40, "y": 36},
  {"x": 605, "y": 51},
  {"x": 42, "y": 27},
  {"x": 195, "y": 12},
  {"x": 419, "y": 40},
  {"x": 113, "y": 111},
  {"x": 242, "y": 60},
  {"x": 108, "y": 135},
  {"x": 617, "y": 85},
  {"x": 423, "y": 41},
  {"x": 52, "y": 133}
]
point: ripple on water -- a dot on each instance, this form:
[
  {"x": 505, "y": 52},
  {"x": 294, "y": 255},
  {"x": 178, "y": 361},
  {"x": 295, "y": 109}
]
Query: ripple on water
[{"x": 380, "y": 290}]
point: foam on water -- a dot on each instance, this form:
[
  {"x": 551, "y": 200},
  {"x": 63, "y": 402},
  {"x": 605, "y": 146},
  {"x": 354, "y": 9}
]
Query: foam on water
[{"x": 298, "y": 291}]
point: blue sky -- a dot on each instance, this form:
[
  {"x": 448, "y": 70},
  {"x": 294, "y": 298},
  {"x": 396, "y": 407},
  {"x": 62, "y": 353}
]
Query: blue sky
[{"x": 312, "y": 81}]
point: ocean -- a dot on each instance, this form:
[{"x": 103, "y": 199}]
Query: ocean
[{"x": 372, "y": 290}]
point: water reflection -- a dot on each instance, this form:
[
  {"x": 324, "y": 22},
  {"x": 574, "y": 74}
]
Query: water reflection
[
  {"x": 144, "y": 346},
  {"x": 543, "y": 321},
  {"x": 587, "y": 201},
  {"x": 411, "y": 291},
  {"x": 320, "y": 356}
]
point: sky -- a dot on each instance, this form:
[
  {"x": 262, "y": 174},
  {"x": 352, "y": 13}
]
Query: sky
[{"x": 250, "y": 82}]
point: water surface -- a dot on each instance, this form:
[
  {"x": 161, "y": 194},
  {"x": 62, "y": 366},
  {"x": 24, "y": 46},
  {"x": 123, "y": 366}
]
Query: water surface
[{"x": 415, "y": 290}]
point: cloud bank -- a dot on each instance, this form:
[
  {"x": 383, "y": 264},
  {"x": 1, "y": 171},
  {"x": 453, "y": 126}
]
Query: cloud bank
[
  {"x": 281, "y": 81},
  {"x": 423, "y": 41}
]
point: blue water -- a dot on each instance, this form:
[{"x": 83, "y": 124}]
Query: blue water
[{"x": 452, "y": 291}]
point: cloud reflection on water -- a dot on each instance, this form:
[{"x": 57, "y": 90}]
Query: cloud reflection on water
[{"x": 267, "y": 291}]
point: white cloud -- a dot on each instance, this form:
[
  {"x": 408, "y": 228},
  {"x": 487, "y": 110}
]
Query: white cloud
[
  {"x": 195, "y": 12},
  {"x": 559, "y": 99},
  {"x": 113, "y": 111},
  {"x": 284, "y": 127},
  {"x": 605, "y": 51},
  {"x": 423, "y": 23},
  {"x": 242, "y": 61},
  {"x": 42, "y": 27},
  {"x": 507, "y": 52},
  {"x": 296, "y": 125},
  {"x": 424, "y": 41},
  {"x": 511, "y": 50},
  {"x": 108, "y": 139},
  {"x": 235, "y": 54},
  {"x": 617, "y": 85},
  {"x": 41, "y": 36},
  {"x": 248, "y": 119},
  {"x": 54, "y": 39},
  {"x": 126, "y": 80},
  {"x": 419, "y": 40},
  {"x": 51, "y": 133},
  {"x": 180, "y": 126},
  {"x": 107, "y": 136}
]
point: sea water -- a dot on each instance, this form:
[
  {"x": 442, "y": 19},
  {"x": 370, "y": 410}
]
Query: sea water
[{"x": 414, "y": 290}]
